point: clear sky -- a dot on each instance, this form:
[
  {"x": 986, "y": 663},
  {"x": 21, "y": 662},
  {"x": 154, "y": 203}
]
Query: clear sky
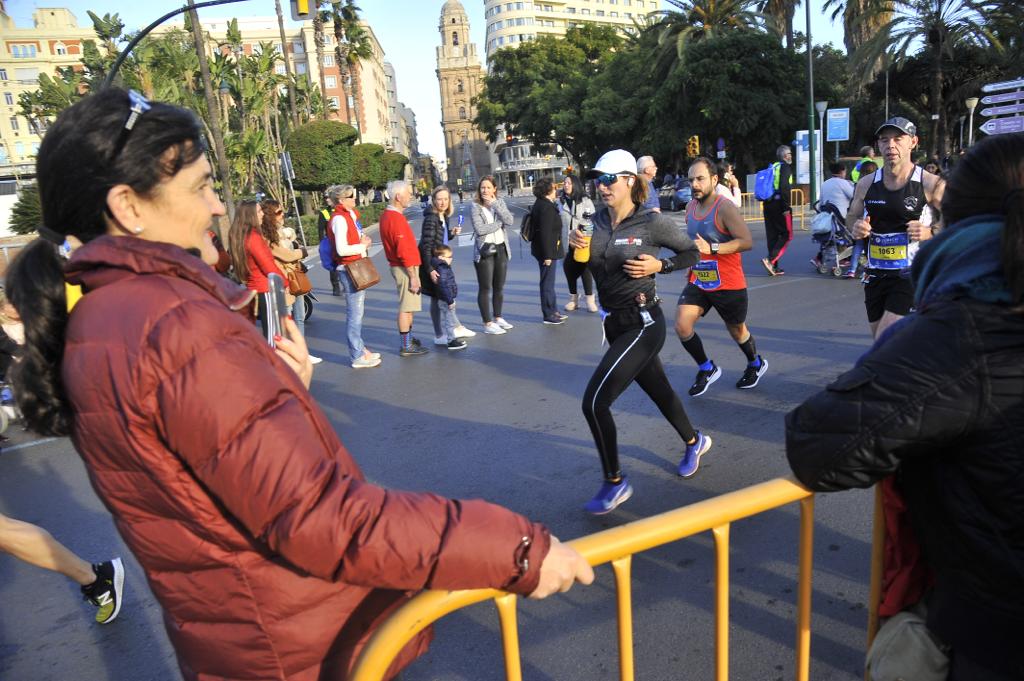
[{"x": 407, "y": 30}]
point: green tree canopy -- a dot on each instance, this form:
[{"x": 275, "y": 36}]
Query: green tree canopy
[
  {"x": 27, "y": 214},
  {"x": 322, "y": 154},
  {"x": 368, "y": 167},
  {"x": 394, "y": 165}
]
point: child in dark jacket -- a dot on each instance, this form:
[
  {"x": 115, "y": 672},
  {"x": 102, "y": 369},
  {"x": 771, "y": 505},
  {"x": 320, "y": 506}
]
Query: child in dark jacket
[{"x": 447, "y": 290}]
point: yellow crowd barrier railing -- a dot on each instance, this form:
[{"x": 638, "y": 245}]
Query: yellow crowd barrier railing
[
  {"x": 617, "y": 546},
  {"x": 752, "y": 210}
]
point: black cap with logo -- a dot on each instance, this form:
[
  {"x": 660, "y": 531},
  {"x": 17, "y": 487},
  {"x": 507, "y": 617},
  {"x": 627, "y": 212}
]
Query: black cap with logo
[{"x": 900, "y": 123}]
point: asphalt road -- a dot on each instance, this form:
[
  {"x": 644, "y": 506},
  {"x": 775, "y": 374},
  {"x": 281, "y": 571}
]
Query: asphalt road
[{"x": 501, "y": 420}]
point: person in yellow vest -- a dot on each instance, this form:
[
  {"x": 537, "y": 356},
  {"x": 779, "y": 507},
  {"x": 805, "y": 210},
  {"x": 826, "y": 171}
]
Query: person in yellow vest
[
  {"x": 867, "y": 155},
  {"x": 322, "y": 220}
]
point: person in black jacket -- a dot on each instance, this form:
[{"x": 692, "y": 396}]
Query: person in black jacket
[
  {"x": 939, "y": 402},
  {"x": 447, "y": 290},
  {"x": 437, "y": 231},
  {"x": 778, "y": 215},
  {"x": 547, "y": 246}
]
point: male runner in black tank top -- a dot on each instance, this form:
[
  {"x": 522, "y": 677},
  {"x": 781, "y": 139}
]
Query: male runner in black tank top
[{"x": 894, "y": 198}]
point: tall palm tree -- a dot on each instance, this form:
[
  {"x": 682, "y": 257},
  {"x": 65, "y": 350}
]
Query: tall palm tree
[
  {"x": 936, "y": 26},
  {"x": 352, "y": 45},
  {"x": 779, "y": 14},
  {"x": 694, "y": 20},
  {"x": 318, "y": 40},
  {"x": 287, "y": 62},
  {"x": 862, "y": 19}
]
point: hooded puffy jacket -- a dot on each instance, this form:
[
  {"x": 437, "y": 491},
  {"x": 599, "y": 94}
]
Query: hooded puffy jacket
[
  {"x": 941, "y": 404},
  {"x": 270, "y": 554}
]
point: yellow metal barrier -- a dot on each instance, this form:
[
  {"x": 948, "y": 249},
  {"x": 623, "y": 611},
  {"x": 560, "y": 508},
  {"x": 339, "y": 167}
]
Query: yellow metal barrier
[
  {"x": 617, "y": 546},
  {"x": 752, "y": 210}
]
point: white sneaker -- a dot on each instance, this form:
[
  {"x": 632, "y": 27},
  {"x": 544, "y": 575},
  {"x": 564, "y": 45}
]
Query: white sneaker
[
  {"x": 363, "y": 363},
  {"x": 440, "y": 340},
  {"x": 503, "y": 324},
  {"x": 463, "y": 332},
  {"x": 313, "y": 359},
  {"x": 493, "y": 328}
]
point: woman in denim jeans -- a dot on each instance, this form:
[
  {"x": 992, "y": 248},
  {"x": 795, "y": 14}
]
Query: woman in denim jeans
[{"x": 351, "y": 244}]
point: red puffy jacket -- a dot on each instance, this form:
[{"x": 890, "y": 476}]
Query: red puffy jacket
[{"x": 270, "y": 554}]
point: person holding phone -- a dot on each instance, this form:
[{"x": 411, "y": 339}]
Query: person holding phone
[
  {"x": 728, "y": 186},
  {"x": 270, "y": 553}
]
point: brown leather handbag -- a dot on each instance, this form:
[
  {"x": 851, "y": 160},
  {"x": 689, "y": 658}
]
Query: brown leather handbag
[
  {"x": 363, "y": 273},
  {"x": 298, "y": 283}
]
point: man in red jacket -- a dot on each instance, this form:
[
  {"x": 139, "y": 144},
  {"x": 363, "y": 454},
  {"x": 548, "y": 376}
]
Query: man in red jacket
[{"x": 404, "y": 258}]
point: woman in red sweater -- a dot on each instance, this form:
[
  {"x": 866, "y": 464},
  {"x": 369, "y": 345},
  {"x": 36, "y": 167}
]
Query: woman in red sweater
[{"x": 251, "y": 255}]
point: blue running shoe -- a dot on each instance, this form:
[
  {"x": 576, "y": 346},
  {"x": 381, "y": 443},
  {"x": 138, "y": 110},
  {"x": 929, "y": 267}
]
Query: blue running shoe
[
  {"x": 691, "y": 460},
  {"x": 609, "y": 497}
]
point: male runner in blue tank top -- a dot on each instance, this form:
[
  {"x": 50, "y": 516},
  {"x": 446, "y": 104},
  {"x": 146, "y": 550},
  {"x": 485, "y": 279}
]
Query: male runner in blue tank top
[{"x": 893, "y": 198}]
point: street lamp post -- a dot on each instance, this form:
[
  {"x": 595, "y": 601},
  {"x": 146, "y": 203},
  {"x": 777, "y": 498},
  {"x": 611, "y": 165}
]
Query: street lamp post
[
  {"x": 821, "y": 107},
  {"x": 810, "y": 106},
  {"x": 962, "y": 118},
  {"x": 972, "y": 104}
]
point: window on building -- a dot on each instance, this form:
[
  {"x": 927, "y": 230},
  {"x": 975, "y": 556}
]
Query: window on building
[
  {"x": 520, "y": 22},
  {"x": 35, "y": 148},
  {"x": 455, "y": 38},
  {"x": 334, "y": 102},
  {"x": 330, "y": 82},
  {"x": 460, "y": 87},
  {"x": 297, "y": 48},
  {"x": 300, "y": 69},
  {"x": 599, "y": 13},
  {"x": 3, "y": 155},
  {"x": 501, "y": 40},
  {"x": 14, "y": 123},
  {"x": 462, "y": 112},
  {"x": 30, "y": 73},
  {"x": 570, "y": 10},
  {"x": 613, "y": 14},
  {"x": 585, "y": 10},
  {"x": 19, "y": 148},
  {"x": 328, "y": 60},
  {"x": 60, "y": 48},
  {"x": 9, "y": 99},
  {"x": 508, "y": 6},
  {"x": 3, "y": 74},
  {"x": 279, "y": 69}
]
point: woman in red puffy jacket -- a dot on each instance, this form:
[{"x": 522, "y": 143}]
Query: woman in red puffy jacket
[{"x": 271, "y": 555}]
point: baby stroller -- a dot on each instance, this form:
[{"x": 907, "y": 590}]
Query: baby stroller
[
  {"x": 8, "y": 412},
  {"x": 835, "y": 243}
]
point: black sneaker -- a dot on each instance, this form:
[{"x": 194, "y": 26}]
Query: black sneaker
[
  {"x": 416, "y": 342},
  {"x": 752, "y": 375},
  {"x": 457, "y": 344},
  {"x": 106, "y": 592},
  {"x": 412, "y": 351},
  {"x": 704, "y": 380},
  {"x": 554, "y": 320}
]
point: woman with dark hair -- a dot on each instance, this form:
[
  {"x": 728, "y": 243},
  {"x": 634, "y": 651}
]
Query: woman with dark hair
[
  {"x": 624, "y": 253},
  {"x": 547, "y": 246},
  {"x": 491, "y": 222},
  {"x": 437, "y": 230},
  {"x": 576, "y": 211},
  {"x": 271, "y": 555},
  {"x": 934, "y": 411},
  {"x": 288, "y": 257},
  {"x": 251, "y": 255}
]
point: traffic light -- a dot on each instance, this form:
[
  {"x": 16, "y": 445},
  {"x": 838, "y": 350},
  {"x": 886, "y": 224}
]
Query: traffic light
[
  {"x": 509, "y": 138},
  {"x": 693, "y": 146},
  {"x": 300, "y": 10}
]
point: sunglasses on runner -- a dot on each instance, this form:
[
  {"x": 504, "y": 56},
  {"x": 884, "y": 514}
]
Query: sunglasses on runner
[{"x": 608, "y": 179}]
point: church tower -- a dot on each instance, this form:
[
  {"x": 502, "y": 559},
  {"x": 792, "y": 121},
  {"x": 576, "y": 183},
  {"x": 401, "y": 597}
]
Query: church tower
[{"x": 459, "y": 74}]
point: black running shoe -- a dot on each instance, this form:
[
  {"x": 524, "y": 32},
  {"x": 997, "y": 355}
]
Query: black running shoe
[
  {"x": 704, "y": 380},
  {"x": 752, "y": 375},
  {"x": 108, "y": 589}
]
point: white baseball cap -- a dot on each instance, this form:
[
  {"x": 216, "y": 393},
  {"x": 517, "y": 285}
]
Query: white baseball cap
[{"x": 614, "y": 162}]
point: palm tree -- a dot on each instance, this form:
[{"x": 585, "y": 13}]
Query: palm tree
[
  {"x": 694, "y": 20},
  {"x": 318, "y": 41},
  {"x": 352, "y": 45},
  {"x": 938, "y": 25},
  {"x": 861, "y": 20},
  {"x": 287, "y": 61},
  {"x": 779, "y": 14}
]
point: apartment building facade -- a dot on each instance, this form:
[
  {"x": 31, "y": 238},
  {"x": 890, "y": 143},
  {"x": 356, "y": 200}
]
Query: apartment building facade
[
  {"x": 510, "y": 23},
  {"x": 55, "y": 40}
]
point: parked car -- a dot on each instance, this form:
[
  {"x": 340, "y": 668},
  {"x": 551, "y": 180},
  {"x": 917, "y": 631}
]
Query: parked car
[{"x": 675, "y": 197}]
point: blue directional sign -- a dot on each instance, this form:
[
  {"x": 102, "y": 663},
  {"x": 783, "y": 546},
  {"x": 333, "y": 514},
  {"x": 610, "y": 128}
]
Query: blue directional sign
[
  {"x": 838, "y": 125},
  {"x": 1003, "y": 110},
  {"x": 1002, "y": 126}
]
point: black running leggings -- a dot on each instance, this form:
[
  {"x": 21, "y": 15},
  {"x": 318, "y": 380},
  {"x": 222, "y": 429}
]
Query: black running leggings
[
  {"x": 576, "y": 270},
  {"x": 490, "y": 278},
  {"x": 632, "y": 356}
]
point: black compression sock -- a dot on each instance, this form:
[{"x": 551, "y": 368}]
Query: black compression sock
[
  {"x": 749, "y": 349},
  {"x": 695, "y": 347}
]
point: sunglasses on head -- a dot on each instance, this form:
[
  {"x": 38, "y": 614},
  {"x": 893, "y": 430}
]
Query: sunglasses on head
[{"x": 608, "y": 179}]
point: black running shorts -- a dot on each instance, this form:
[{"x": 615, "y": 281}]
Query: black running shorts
[
  {"x": 731, "y": 305},
  {"x": 888, "y": 293}
]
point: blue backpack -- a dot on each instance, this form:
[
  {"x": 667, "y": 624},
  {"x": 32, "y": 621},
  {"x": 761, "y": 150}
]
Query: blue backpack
[
  {"x": 326, "y": 257},
  {"x": 764, "y": 185}
]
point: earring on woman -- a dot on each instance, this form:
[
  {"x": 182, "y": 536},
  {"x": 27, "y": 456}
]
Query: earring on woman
[{"x": 137, "y": 229}]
